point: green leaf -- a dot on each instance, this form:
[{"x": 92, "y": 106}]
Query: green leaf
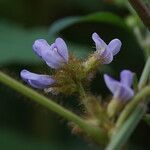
[
  {"x": 16, "y": 43},
  {"x": 101, "y": 17},
  {"x": 61, "y": 24},
  {"x": 11, "y": 139},
  {"x": 121, "y": 3}
]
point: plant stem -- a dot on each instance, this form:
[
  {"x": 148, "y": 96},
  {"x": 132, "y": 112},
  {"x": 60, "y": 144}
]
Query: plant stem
[
  {"x": 81, "y": 91},
  {"x": 94, "y": 132},
  {"x": 122, "y": 135},
  {"x": 87, "y": 102},
  {"x": 83, "y": 96},
  {"x": 132, "y": 105},
  {"x": 142, "y": 11},
  {"x": 145, "y": 74},
  {"x": 126, "y": 124}
]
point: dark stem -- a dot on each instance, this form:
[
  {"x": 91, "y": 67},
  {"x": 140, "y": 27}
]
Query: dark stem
[{"x": 142, "y": 10}]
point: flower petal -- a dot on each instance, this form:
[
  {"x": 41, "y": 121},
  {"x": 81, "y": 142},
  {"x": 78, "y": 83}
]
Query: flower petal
[
  {"x": 111, "y": 83},
  {"x": 40, "y": 46},
  {"x": 123, "y": 92},
  {"x": 114, "y": 46},
  {"x": 126, "y": 77},
  {"x": 36, "y": 80},
  {"x": 55, "y": 55},
  {"x": 100, "y": 44},
  {"x": 62, "y": 48},
  {"x": 106, "y": 57},
  {"x": 118, "y": 89},
  {"x": 52, "y": 59},
  {"x": 44, "y": 50}
]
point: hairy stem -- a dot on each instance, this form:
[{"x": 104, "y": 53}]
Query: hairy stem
[
  {"x": 83, "y": 96},
  {"x": 142, "y": 11},
  {"x": 93, "y": 132},
  {"x": 87, "y": 102},
  {"x": 145, "y": 74}
]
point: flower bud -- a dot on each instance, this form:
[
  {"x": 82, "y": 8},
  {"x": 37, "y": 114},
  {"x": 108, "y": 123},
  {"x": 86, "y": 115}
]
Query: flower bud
[{"x": 114, "y": 107}]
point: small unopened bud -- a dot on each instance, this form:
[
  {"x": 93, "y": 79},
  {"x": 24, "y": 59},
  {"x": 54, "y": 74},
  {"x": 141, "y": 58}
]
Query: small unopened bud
[
  {"x": 114, "y": 107},
  {"x": 91, "y": 63}
]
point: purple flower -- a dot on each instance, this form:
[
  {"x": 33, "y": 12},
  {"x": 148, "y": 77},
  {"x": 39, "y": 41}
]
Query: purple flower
[
  {"x": 36, "y": 80},
  {"x": 55, "y": 55},
  {"x": 121, "y": 90},
  {"x": 106, "y": 52}
]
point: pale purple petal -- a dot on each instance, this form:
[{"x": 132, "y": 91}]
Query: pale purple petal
[
  {"x": 53, "y": 63},
  {"x": 40, "y": 46},
  {"x": 36, "y": 80},
  {"x": 55, "y": 55},
  {"x": 62, "y": 48},
  {"x": 52, "y": 59},
  {"x": 126, "y": 77},
  {"x": 43, "y": 49},
  {"x": 123, "y": 92},
  {"x": 120, "y": 90},
  {"x": 100, "y": 44},
  {"x": 106, "y": 57},
  {"x": 114, "y": 46},
  {"x": 106, "y": 52},
  {"x": 111, "y": 83}
]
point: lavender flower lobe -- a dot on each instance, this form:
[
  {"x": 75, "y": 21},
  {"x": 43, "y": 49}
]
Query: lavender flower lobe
[
  {"x": 121, "y": 90},
  {"x": 55, "y": 55},
  {"x": 106, "y": 52},
  {"x": 39, "y": 81}
]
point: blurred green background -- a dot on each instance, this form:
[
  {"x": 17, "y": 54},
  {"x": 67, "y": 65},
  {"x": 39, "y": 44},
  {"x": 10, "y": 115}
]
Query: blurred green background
[{"x": 25, "y": 125}]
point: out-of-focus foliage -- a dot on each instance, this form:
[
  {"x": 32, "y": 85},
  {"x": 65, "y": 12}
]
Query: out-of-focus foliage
[
  {"x": 147, "y": 119},
  {"x": 31, "y": 13},
  {"x": 101, "y": 17},
  {"x": 16, "y": 43},
  {"x": 18, "y": 140}
]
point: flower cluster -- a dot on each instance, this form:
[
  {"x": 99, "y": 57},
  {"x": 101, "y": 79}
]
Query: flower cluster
[
  {"x": 56, "y": 56},
  {"x": 72, "y": 74}
]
